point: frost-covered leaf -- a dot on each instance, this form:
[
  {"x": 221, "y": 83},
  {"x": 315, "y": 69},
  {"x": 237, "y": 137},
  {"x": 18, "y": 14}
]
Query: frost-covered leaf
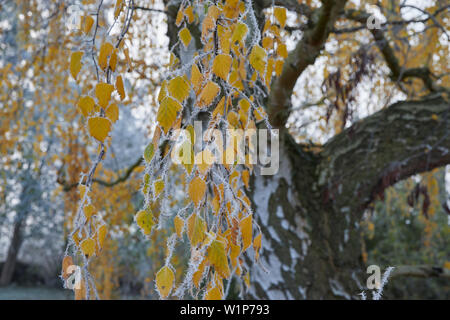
[
  {"x": 196, "y": 229},
  {"x": 75, "y": 63},
  {"x": 99, "y": 128},
  {"x": 105, "y": 51},
  {"x": 86, "y": 105},
  {"x": 88, "y": 247},
  {"x": 185, "y": 36},
  {"x": 103, "y": 93},
  {"x": 280, "y": 14},
  {"x": 112, "y": 112},
  {"x": 222, "y": 65},
  {"x": 178, "y": 88},
  {"x": 257, "y": 59},
  {"x": 164, "y": 281},
  {"x": 246, "y": 231},
  {"x": 144, "y": 219},
  {"x": 208, "y": 94},
  {"x": 217, "y": 257},
  {"x": 179, "y": 226},
  {"x": 119, "y": 87},
  {"x": 197, "y": 188},
  {"x": 167, "y": 112}
]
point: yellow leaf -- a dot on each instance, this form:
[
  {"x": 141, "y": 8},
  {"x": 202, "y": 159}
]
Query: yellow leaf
[
  {"x": 257, "y": 59},
  {"x": 178, "y": 88},
  {"x": 127, "y": 56},
  {"x": 89, "y": 210},
  {"x": 225, "y": 35},
  {"x": 89, "y": 21},
  {"x": 447, "y": 265},
  {"x": 196, "y": 229},
  {"x": 247, "y": 279},
  {"x": 99, "y": 128},
  {"x": 118, "y": 8},
  {"x": 189, "y": 13},
  {"x": 102, "y": 235},
  {"x": 282, "y": 50},
  {"x": 119, "y": 87},
  {"x": 158, "y": 187},
  {"x": 233, "y": 119},
  {"x": 144, "y": 220},
  {"x": 164, "y": 281},
  {"x": 208, "y": 26},
  {"x": 78, "y": 236},
  {"x": 269, "y": 71},
  {"x": 167, "y": 113},
  {"x": 103, "y": 93},
  {"x": 279, "y": 67},
  {"x": 217, "y": 257},
  {"x": 246, "y": 232},
  {"x": 105, "y": 51},
  {"x": 180, "y": 16},
  {"x": 149, "y": 152},
  {"x": 220, "y": 108},
  {"x": 222, "y": 65},
  {"x": 245, "y": 177},
  {"x": 240, "y": 32},
  {"x": 197, "y": 188},
  {"x": 280, "y": 14},
  {"x": 186, "y": 155},
  {"x": 208, "y": 94},
  {"x": 213, "y": 294},
  {"x": 113, "y": 60},
  {"x": 234, "y": 253},
  {"x": 267, "y": 43},
  {"x": 198, "y": 274},
  {"x": 179, "y": 225},
  {"x": 88, "y": 247},
  {"x": 196, "y": 78},
  {"x": 162, "y": 91},
  {"x": 260, "y": 114},
  {"x": 112, "y": 113},
  {"x": 213, "y": 12},
  {"x": 185, "y": 36},
  {"x": 75, "y": 63},
  {"x": 86, "y": 105}
]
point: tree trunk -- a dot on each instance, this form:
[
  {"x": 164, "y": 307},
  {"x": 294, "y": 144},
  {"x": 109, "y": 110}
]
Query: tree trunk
[
  {"x": 13, "y": 252},
  {"x": 308, "y": 250}
]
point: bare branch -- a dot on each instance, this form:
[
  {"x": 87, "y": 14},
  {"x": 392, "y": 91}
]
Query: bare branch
[
  {"x": 304, "y": 54},
  {"x": 149, "y": 9},
  {"x": 395, "y": 143},
  {"x": 120, "y": 179},
  {"x": 398, "y": 73},
  {"x": 421, "y": 271}
]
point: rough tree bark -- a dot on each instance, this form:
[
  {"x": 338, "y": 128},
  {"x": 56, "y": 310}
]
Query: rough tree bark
[
  {"x": 310, "y": 211},
  {"x": 22, "y": 209},
  {"x": 11, "y": 257}
]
